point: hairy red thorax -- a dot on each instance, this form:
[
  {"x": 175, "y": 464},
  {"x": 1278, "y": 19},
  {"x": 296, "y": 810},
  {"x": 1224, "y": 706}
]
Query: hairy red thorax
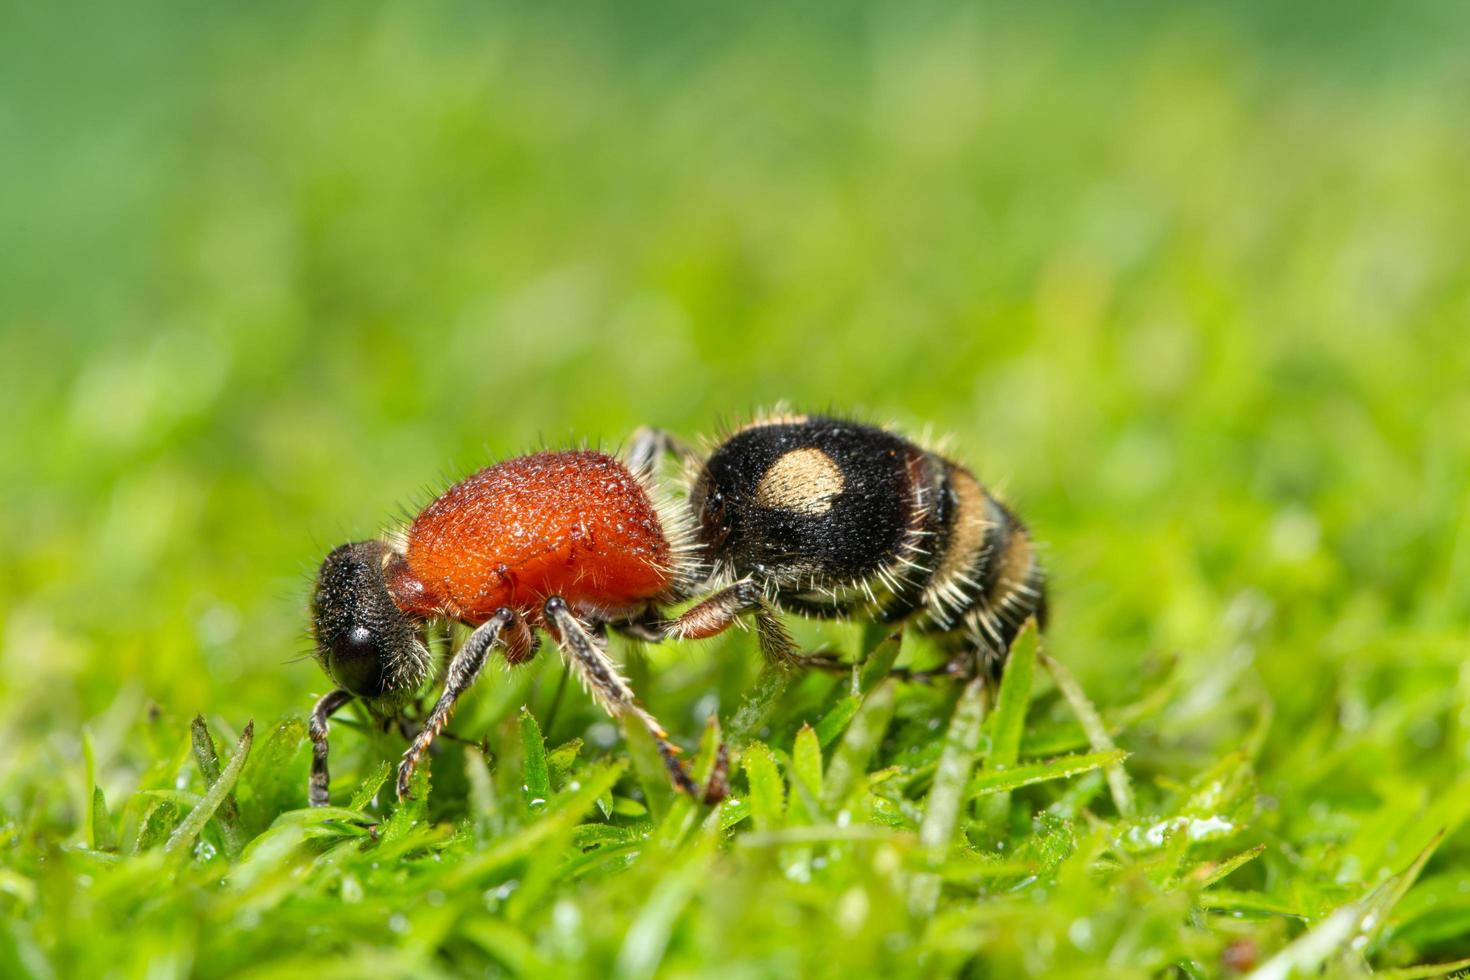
[{"x": 575, "y": 524}]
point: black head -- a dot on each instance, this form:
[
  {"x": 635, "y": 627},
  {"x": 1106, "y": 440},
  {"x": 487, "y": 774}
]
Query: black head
[
  {"x": 812, "y": 500},
  {"x": 363, "y": 640}
]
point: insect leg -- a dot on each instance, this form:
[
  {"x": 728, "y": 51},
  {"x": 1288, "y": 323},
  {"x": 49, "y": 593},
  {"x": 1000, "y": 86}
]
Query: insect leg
[
  {"x": 316, "y": 790},
  {"x": 720, "y": 611},
  {"x": 647, "y": 444},
  {"x": 463, "y": 670},
  {"x": 602, "y": 680}
]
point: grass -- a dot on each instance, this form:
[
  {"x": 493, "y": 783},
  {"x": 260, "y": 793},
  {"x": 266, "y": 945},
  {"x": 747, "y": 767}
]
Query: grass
[{"x": 1189, "y": 285}]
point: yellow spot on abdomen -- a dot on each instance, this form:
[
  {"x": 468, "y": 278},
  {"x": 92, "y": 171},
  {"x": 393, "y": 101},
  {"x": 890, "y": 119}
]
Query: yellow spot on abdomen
[{"x": 805, "y": 481}]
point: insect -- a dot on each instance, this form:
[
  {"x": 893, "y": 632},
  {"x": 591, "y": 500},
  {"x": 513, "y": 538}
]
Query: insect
[
  {"x": 811, "y": 515},
  {"x": 826, "y": 517},
  {"x": 568, "y": 543}
]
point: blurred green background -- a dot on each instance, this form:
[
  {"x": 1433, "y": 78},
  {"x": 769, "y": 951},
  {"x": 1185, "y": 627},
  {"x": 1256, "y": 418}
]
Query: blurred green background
[{"x": 1190, "y": 284}]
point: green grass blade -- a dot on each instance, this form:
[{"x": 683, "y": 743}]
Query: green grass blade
[
  {"x": 1425, "y": 971},
  {"x": 1097, "y": 733},
  {"x": 648, "y": 766},
  {"x": 648, "y": 936},
  {"x": 185, "y": 833},
  {"x": 535, "y": 775},
  {"x": 1345, "y": 926},
  {"x": 484, "y": 804},
  {"x": 564, "y": 814},
  {"x": 1009, "y": 722},
  {"x": 227, "y": 819},
  {"x": 102, "y": 836},
  {"x": 836, "y": 720},
  {"x": 1006, "y": 780},
  {"x": 685, "y": 811},
  {"x": 806, "y": 763},
  {"x": 759, "y": 703},
  {"x": 947, "y": 794},
  {"x": 1212, "y": 872},
  {"x": 855, "y": 751},
  {"x": 767, "y": 792},
  {"x": 89, "y": 788},
  {"x": 882, "y": 644},
  {"x": 371, "y": 785}
]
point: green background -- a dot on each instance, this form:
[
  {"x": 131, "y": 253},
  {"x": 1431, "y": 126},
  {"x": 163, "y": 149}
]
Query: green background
[{"x": 1189, "y": 285}]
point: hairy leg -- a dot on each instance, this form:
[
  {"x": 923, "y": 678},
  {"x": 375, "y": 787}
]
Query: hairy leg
[
  {"x": 601, "y": 678},
  {"x": 463, "y": 670},
  {"x": 720, "y": 611},
  {"x": 647, "y": 444},
  {"x": 317, "y": 788}
]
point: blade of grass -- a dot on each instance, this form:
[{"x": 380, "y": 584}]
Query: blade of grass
[
  {"x": 101, "y": 823},
  {"x": 228, "y": 817},
  {"x": 1425, "y": 971},
  {"x": 507, "y": 944},
  {"x": 820, "y": 834},
  {"x": 947, "y": 795},
  {"x": 805, "y": 780},
  {"x": 863, "y": 736},
  {"x": 1211, "y": 872},
  {"x": 1310, "y": 951},
  {"x": 1009, "y": 722},
  {"x": 368, "y": 789},
  {"x": 756, "y": 709},
  {"x": 835, "y": 721},
  {"x": 683, "y": 810},
  {"x": 1229, "y": 900},
  {"x": 767, "y": 792},
  {"x": 648, "y": 766},
  {"x": 565, "y": 813},
  {"x": 535, "y": 776},
  {"x": 806, "y": 763},
  {"x": 484, "y": 807},
  {"x": 1068, "y": 765},
  {"x": 647, "y": 938},
  {"x": 185, "y": 832},
  {"x": 1097, "y": 732},
  {"x": 882, "y": 644},
  {"x": 89, "y": 788}
]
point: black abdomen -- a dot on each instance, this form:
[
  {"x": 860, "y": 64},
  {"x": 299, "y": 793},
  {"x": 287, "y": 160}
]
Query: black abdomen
[
  {"x": 804, "y": 503},
  {"x": 833, "y": 517}
]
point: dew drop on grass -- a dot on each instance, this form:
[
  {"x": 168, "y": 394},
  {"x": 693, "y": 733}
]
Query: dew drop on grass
[
  {"x": 496, "y": 895},
  {"x": 1202, "y": 829},
  {"x": 204, "y": 851}
]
